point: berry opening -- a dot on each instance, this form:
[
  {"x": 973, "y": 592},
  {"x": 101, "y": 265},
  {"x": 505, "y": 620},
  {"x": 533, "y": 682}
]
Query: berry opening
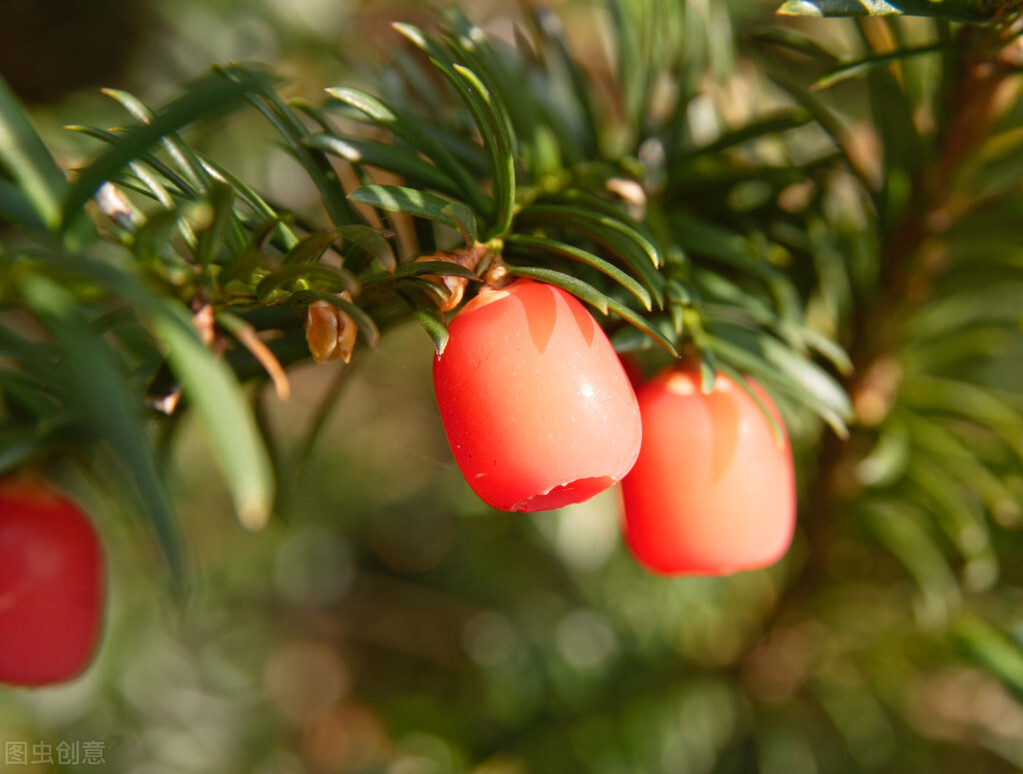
[{"x": 566, "y": 494}]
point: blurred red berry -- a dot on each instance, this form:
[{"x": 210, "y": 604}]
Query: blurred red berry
[
  {"x": 713, "y": 490},
  {"x": 51, "y": 586},
  {"x": 535, "y": 403}
]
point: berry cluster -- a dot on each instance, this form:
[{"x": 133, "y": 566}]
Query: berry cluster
[{"x": 540, "y": 413}]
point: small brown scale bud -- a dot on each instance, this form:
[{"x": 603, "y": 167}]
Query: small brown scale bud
[
  {"x": 469, "y": 257},
  {"x": 329, "y": 332}
]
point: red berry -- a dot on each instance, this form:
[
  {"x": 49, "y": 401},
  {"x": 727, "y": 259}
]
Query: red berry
[
  {"x": 713, "y": 490},
  {"x": 535, "y": 404},
  {"x": 51, "y": 586}
]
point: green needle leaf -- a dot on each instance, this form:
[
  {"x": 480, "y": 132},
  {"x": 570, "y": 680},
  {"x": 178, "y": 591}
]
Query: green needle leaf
[
  {"x": 281, "y": 116},
  {"x": 416, "y": 171},
  {"x": 373, "y": 243},
  {"x": 953, "y": 10},
  {"x": 24, "y": 155},
  {"x": 311, "y": 248},
  {"x": 425, "y": 310},
  {"x": 16, "y": 207},
  {"x": 210, "y": 98},
  {"x": 333, "y": 276},
  {"x": 528, "y": 244},
  {"x": 252, "y": 199},
  {"x": 416, "y": 136},
  {"x": 211, "y": 239},
  {"x": 770, "y": 361},
  {"x": 993, "y": 650},
  {"x": 186, "y": 160},
  {"x": 418, "y": 204},
  {"x": 497, "y": 139},
  {"x": 218, "y": 399},
  {"x": 566, "y": 282},
  {"x": 421, "y": 269},
  {"x": 642, "y": 324},
  {"x": 624, "y": 241},
  {"x": 95, "y": 388}
]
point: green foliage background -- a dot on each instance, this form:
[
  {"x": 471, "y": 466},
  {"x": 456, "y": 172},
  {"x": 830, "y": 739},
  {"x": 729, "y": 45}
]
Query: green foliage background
[{"x": 307, "y": 584}]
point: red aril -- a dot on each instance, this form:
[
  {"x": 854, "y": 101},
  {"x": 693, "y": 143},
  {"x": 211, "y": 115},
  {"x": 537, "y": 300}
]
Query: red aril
[
  {"x": 713, "y": 489},
  {"x": 51, "y": 586},
  {"x": 535, "y": 403}
]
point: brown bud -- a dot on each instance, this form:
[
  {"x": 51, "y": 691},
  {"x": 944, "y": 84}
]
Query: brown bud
[
  {"x": 329, "y": 332},
  {"x": 469, "y": 257}
]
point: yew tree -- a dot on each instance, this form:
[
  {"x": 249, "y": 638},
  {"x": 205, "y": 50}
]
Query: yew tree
[{"x": 810, "y": 220}]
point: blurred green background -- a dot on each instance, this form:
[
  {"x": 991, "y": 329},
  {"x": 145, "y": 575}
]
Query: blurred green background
[{"x": 386, "y": 621}]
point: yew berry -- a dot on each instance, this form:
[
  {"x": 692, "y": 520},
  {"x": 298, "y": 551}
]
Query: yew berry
[
  {"x": 713, "y": 490},
  {"x": 51, "y": 586},
  {"x": 535, "y": 403}
]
